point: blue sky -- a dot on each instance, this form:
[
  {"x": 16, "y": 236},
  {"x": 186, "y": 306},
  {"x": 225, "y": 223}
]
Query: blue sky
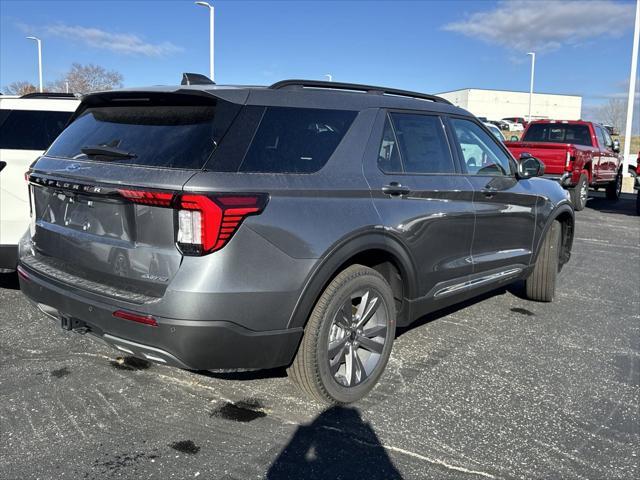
[{"x": 429, "y": 46}]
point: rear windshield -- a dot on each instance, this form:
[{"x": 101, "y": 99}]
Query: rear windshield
[
  {"x": 30, "y": 129},
  {"x": 558, "y": 133},
  {"x": 170, "y": 136},
  {"x": 295, "y": 140}
]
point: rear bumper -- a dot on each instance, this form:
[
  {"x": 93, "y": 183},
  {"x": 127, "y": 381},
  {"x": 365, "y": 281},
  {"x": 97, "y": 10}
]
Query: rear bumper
[
  {"x": 564, "y": 179},
  {"x": 8, "y": 257},
  {"x": 190, "y": 344}
]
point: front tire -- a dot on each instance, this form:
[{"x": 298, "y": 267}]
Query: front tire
[
  {"x": 615, "y": 188},
  {"x": 541, "y": 284},
  {"x": 580, "y": 193},
  {"x": 348, "y": 338}
]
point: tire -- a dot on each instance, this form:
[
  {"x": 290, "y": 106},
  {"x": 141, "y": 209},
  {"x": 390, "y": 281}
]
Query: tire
[
  {"x": 541, "y": 284},
  {"x": 615, "y": 188},
  {"x": 329, "y": 379},
  {"x": 580, "y": 193},
  {"x": 638, "y": 202}
]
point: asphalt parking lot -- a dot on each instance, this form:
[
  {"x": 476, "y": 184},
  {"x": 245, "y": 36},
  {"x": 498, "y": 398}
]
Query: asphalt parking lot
[{"x": 500, "y": 387}]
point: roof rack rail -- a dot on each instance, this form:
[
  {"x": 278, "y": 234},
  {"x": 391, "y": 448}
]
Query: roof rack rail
[
  {"x": 48, "y": 95},
  {"x": 356, "y": 87}
]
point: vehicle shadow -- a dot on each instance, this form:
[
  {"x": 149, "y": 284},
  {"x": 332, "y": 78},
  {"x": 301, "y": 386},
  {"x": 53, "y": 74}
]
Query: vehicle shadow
[
  {"x": 626, "y": 205},
  {"x": 9, "y": 281},
  {"x": 516, "y": 289},
  {"x": 337, "y": 444}
]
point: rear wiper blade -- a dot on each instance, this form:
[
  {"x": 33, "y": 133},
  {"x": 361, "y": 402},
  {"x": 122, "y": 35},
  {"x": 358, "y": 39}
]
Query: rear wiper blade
[{"x": 106, "y": 151}]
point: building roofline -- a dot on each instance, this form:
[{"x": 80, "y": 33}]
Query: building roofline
[{"x": 510, "y": 91}]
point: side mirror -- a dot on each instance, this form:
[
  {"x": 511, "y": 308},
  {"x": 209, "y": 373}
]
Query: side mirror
[
  {"x": 514, "y": 138},
  {"x": 616, "y": 146},
  {"x": 529, "y": 166}
]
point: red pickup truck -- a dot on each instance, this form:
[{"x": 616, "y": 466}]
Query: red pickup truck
[{"x": 577, "y": 154}]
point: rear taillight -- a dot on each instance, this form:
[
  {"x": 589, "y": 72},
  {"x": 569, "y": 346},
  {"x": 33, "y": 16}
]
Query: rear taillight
[
  {"x": 144, "y": 197},
  {"x": 207, "y": 223},
  {"x": 568, "y": 164}
]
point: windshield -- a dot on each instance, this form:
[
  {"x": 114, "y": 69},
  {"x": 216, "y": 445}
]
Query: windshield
[
  {"x": 558, "y": 133},
  {"x": 170, "y": 136}
]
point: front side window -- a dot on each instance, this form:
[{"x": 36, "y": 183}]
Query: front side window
[
  {"x": 423, "y": 145},
  {"x": 30, "y": 129},
  {"x": 296, "y": 140},
  {"x": 481, "y": 154},
  {"x": 608, "y": 142}
]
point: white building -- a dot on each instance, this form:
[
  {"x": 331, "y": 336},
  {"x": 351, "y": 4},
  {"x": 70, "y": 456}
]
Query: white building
[{"x": 498, "y": 104}]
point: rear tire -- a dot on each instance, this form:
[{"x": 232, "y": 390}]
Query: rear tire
[
  {"x": 615, "y": 188},
  {"x": 340, "y": 359},
  {"x": 541, "y": 284},
  {"x": 580, "y": 193}
]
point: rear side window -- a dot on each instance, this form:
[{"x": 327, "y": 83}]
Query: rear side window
[
  {"x": 388, "y": 157},
  {"x": 296, "y": 140},
  {"x": 182, "y": 134},
  {"x": 30, "y": 129},
  {"x": 423, "y": 145},
  {"x": 558, "y": 133}
]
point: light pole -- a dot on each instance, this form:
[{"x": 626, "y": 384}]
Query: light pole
[
  {"x": 39, "y": 42},
  {"x": 211, "y": 13},
  {"x": 631, "y": 99},
  {"x": 329, "y": 77},
  {"x": 533, "y": 67}
]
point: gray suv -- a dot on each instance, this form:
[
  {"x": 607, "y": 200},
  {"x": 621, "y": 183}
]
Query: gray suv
[{"x": 233, "y": 228}]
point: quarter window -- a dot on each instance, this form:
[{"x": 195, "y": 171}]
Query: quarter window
[
  {"x": 481, "y": 153},
  {"x": 296, "y": 140}
]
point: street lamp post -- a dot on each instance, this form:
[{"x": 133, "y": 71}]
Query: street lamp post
[
  {"x": 533, "y": 67},
  {"x": 211, "y": 14},
  {"x": 630, "y": 101},
  {"x": 329, "y": 77},
  {"x": 39, "y": 42}
]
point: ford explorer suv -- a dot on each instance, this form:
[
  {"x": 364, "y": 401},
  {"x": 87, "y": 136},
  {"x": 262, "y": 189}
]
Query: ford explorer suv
[
  {"x": 218, "y": 227},
  {"x": 28, "y": 125},
  {"x": 577, "y": 154}
]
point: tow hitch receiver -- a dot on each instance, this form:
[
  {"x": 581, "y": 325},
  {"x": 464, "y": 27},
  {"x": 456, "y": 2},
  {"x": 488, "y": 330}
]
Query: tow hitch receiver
[{"x": 73, "y": 324}]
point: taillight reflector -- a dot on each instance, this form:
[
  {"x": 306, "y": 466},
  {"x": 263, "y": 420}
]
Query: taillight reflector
[
  {"x": 23, "y": 274},
  {"x": 136, "y": 317}
]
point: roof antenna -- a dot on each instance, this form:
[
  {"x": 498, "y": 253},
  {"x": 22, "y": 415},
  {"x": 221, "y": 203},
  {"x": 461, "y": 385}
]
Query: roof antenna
[{"x": 196, "y": 79}]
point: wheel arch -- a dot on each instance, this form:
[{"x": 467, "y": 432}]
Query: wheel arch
[
  {"x": 377, "y": 250},
  {"x": 565, "y": 216}
]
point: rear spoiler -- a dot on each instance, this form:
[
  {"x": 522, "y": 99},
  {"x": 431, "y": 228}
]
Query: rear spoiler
[{"x": 150, "y": 97}]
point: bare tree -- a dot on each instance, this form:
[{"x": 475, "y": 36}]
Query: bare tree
[
  {"x": 20, "y": 88},
  {"x": 614, "y": 113},
  {"x": 87, "y": 78}
]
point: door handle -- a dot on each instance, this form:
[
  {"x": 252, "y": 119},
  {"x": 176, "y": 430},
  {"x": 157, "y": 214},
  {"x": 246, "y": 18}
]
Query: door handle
[{"x": 395, "y": 189}]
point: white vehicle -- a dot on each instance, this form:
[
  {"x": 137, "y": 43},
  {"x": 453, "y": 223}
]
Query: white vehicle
[
  {"x": 513, "y": 126},
  {"x": 28, "y": 125},
  {"x": 495, "y": 130}
]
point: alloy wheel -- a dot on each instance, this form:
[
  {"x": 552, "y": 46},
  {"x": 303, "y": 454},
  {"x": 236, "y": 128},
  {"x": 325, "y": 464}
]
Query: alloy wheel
[{"x": 357, "y": 337}]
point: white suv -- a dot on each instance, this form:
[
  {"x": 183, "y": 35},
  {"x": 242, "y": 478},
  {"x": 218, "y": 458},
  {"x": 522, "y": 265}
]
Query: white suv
[{"x": 28, "y": 125}]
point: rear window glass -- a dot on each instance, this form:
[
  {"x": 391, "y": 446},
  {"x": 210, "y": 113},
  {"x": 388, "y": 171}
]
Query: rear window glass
[
  {"x": 169, "y": 136},
  {"x": 30, "y": 129},
  {"x": 558, "y": 133},
  {"x": 296, "y": 140}
]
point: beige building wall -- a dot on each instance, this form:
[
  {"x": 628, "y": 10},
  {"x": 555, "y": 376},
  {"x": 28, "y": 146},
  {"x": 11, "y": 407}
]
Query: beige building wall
[{"x": 497, "y": 104}]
